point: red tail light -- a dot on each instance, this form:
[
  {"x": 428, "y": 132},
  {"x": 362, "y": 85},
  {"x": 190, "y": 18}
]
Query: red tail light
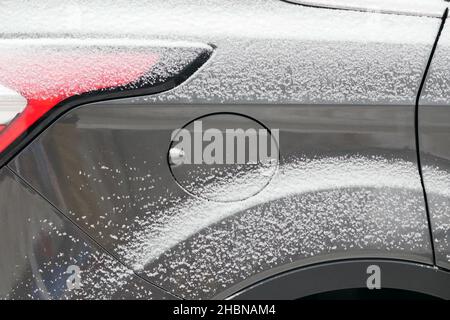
[{"x": 35, "y": 78}]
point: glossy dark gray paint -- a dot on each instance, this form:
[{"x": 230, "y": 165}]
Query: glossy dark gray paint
[
  {"x": 431, "y": 9},
  {"x": 38, "y": 245},
  {"x": 108, "y": 166},
  {"x": 349, "y": 275},
  {"x": 434, "y": 138},
  {"x": 340, "y": 85}
]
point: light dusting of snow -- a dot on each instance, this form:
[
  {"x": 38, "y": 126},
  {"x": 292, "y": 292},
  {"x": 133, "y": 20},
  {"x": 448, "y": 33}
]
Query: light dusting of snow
[
  {"x": 11, "y": 103},
  {"x": 437, "y": 183},
  {"x": 302, "y": 177},
  {"x": 41, "y": 246},
  {"x": 435, "y": 135},
  {"x": 270, "y": 51},
  {"x": 433, "y": 8},
  {"x": 43, "y": 69},
  {"x": 215, "y": 182},
  {"x": 437, "y": 85},
  {"x": 311, "y": 208},
  {"x": 232, "y": 169},
  {"x": 208, "y": 19},
  {"x": 328, "y": 225},
  {"x": 305, "y": 72}
]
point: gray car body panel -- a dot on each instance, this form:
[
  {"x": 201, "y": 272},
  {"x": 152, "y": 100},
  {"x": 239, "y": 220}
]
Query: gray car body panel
[
  {"x": 348, "y": 184},
  {"x": 434, "y": 139},
  {"x": 343, "y": 190},
  {"x": 431, "y": 8}
]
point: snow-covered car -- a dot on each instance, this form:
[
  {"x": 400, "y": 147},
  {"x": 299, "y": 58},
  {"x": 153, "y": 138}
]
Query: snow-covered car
[{"x": 100, "y": 103}]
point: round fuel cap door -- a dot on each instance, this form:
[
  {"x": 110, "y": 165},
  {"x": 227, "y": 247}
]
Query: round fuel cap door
[{"x": 223, "y": 157}]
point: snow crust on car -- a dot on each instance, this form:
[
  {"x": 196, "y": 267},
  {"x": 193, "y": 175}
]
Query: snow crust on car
[
  {"x": 436, "y": 90},
  {"x": 270, "y": 52},
  {"x": 51, "y": 244},
  {"x": 433, "y": 8},
  {"x": 208, "y": 18},
  {"x": 48, "y": 68},
  {"x": 434, "y": 129}
]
